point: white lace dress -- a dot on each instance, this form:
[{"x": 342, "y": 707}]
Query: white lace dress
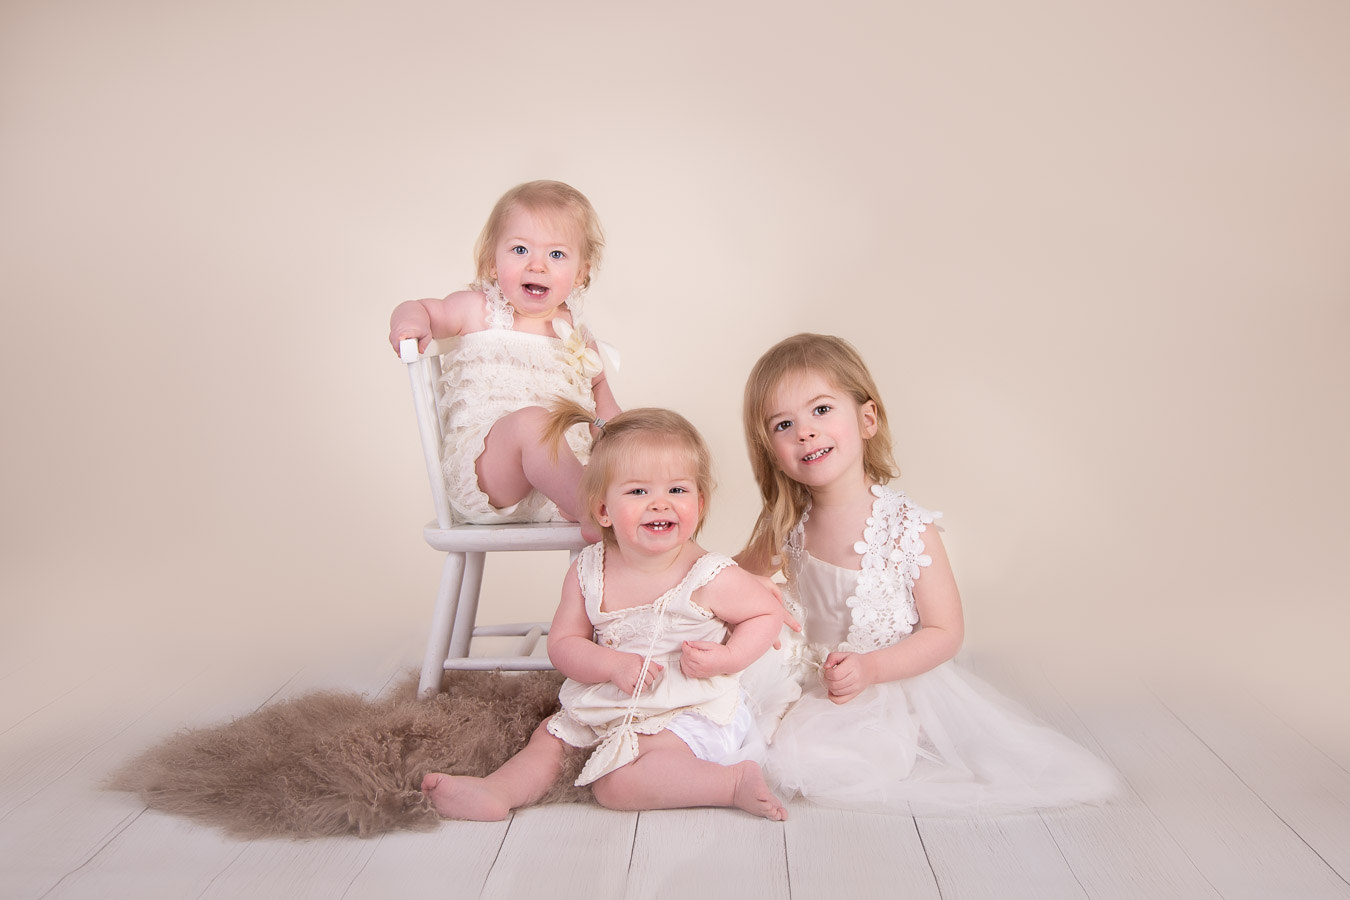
[
  {"x": 941, "y": 743},
  {"x": 488, "y": 374},
  {"x": 603, "y": 714}
]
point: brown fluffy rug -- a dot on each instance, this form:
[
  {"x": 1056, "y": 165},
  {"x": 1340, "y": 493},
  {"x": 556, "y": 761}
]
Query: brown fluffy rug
[{"x": 340, "y": 763}]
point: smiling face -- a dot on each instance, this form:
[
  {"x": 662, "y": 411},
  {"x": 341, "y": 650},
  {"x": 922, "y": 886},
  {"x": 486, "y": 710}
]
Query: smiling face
[
  {"x": 818, "y": 432},
  {"x": 537, "y": 261},
  {"x": 652, "y": 501}
]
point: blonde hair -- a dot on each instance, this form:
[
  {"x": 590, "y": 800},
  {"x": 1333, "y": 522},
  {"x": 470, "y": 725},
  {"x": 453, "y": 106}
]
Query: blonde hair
[
  {"x": 783, "y": 499},
  {"x": 622, "y": 437},
  {"x": 541, "y": 197}
]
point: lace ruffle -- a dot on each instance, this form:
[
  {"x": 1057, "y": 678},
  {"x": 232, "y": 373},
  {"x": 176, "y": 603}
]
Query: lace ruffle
[{"x": 882, "y": 605}]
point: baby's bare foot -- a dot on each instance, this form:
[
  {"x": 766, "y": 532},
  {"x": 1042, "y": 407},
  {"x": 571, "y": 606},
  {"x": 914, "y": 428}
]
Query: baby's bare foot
[
  {"x": 462, "y": 797},
  {"x": 753, "y": 795}
]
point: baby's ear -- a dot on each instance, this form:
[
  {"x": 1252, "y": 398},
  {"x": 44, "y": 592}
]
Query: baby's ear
[
  {"x": 867, "y": 419},
  {"x": 601, "y": 516}
]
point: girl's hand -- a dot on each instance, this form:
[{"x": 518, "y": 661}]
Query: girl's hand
[
  {"x": 704, "y": 659},
  {"x": 627, "y": 667},
  {"x": 846, "y": 674}
]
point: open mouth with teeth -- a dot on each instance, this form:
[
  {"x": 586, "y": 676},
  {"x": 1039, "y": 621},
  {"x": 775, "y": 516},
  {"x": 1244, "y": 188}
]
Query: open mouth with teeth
[
  {"x": 819, "y": 454},
  {"x": 534, "y": 290},
  {"x": 658, "y": 526}
]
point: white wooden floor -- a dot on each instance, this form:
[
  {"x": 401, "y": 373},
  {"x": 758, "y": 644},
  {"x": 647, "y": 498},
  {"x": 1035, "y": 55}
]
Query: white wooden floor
[{"x": 1223, "y": 801}]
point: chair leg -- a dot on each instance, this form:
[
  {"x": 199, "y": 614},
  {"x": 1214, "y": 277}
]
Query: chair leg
[
  {"x": 467, "y": 614},
  {"x": 442, "y": 618}
]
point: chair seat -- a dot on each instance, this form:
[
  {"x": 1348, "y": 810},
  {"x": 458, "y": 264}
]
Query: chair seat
[{"x": 489, "y": 538}]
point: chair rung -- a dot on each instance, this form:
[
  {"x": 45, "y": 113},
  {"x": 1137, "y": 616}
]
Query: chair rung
[
  {"x": 519, "y": 629},
  {"x": 509, "y": 663}
]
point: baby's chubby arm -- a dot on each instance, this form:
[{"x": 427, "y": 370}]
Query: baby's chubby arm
[
  {"x": 573, "y": 650},
  {"x": 434, "y": 319},
  {"x": 754, "y": 614}
]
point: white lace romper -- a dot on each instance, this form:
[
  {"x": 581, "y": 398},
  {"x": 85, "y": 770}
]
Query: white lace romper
[
  {"x": 940, "y": 743},
  {"x": 603, "y": 714},
  {"x": 488, "y": 374}
]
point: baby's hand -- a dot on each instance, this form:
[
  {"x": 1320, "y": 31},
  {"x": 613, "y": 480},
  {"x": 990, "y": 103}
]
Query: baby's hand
[
  {"x": 704, "y": 659},
  {"x": 410, "y": 320},
  {"x": 846, "y": 674},
  {"x": 627, "y": 667}
]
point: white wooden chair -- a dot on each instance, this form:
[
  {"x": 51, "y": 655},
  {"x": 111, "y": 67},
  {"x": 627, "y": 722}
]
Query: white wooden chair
[{"x": 454, "y": 620}]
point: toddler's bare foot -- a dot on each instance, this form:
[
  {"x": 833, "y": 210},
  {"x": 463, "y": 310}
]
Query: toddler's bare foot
[
  {"x": 462, "y": 797},
  {"x": 753, "y": 795}
]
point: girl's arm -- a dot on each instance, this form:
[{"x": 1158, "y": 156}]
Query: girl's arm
[
  {"x": 755, "y": 616},
  {"x": 573, "y": 650},
  {"x": 432, "y": 319},
  {"x": 936, "y": 640},
  {"x": 606, "y": 407}
]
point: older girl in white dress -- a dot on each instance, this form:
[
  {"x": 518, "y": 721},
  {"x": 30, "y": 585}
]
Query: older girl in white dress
[{"x": 886, "y": 721}]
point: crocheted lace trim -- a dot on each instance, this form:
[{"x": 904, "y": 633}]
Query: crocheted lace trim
[{"x": 882, "y": 605}]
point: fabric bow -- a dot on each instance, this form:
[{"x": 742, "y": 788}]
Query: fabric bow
[{"x": 585, "y": 360}]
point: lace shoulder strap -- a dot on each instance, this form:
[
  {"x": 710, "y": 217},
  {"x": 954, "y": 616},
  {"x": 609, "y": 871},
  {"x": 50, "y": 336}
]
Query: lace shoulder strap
[
  {"x": 591, "y": 577},
  {"x": 892, "y": 556},
  {"x": 893, "y": 538},
  {"x": 704, "y": 570},
  {"x": 499, "y": 313},
  {"x": 795, "y": 545}
]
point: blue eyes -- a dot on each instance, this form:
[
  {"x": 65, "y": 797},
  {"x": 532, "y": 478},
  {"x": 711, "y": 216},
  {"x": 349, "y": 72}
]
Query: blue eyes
[
  {"x": 520, "y": 250},
  {"x": 674, "y": 490}
]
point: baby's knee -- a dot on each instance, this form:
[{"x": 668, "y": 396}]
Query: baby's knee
[{"x": 612, "y": 791}]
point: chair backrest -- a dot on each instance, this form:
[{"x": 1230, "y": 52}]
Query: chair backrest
[{"x": 424, "y": 369}]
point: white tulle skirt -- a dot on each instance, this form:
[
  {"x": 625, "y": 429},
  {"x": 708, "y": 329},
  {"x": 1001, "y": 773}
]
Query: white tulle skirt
[{"x": 942, "y": 743}]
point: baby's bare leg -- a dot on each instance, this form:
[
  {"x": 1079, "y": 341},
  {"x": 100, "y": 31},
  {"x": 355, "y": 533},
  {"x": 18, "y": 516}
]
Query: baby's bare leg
[
  {"x": 522, "y": 780},
  {"x": 667, "y": 775},
  {"x": 514, "y": 461}
]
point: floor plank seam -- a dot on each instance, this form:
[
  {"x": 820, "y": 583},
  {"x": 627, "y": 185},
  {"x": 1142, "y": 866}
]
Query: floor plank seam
[
  {"x": 347, "y": 890},
  {"x": 924, "y": 847},
  {"x": 1243, "y": 781},
  {"x": 56, "y": 699},
  {"x": 492, "y": 867},
  {"x": 234, "y": 859},
  {"x": 274, "y": 694},
  {"x": 1068, "y": 865},
  {"x": 125, "y": 824},
  {"x": 94, "y": 749},
  {"x": 632, "y": 846},
  {"x": 1129, "y": 786},
  {"x": 1279, "y": 718}
]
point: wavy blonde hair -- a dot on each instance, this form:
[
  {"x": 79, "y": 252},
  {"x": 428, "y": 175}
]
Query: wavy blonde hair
[
  {"x": 631, "y": 432},
  {"x": 784, "y": 500},
  {"x": 547, "y": 198}
]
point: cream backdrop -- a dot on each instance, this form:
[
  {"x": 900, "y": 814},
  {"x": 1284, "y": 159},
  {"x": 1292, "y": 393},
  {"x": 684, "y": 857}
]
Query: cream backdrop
[{"x": 1096, "y": 254}]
